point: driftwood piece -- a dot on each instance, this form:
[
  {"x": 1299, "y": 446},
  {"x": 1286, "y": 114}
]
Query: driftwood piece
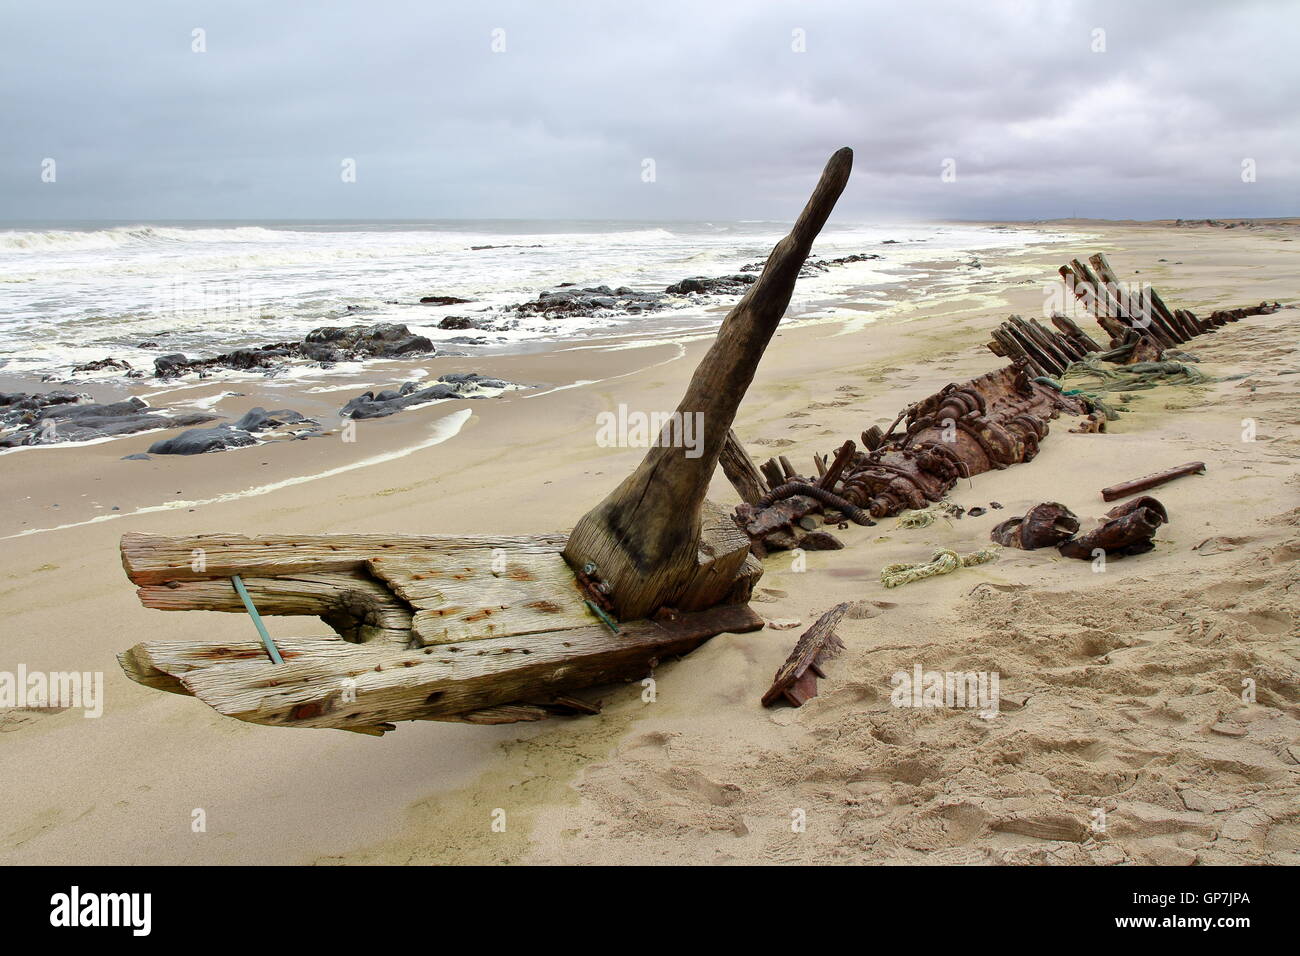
[
  {"x": 1126, "y": 488},
  {"x": 154, "y": 559},
  {"x": 646, "y": 536},
  {"x": 326, "y": 683},
  {"x": 741, "y": 470},
  {"x": 796, "y": 680},
  {"x": 772, "y": 473}
]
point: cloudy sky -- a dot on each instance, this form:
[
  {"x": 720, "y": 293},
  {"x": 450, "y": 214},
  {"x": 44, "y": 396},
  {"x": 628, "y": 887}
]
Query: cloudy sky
[{"x": 551, "y": 108}]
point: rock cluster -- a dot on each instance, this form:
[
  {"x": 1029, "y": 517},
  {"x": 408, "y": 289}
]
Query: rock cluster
[
  {"x": 390, "y": 401},
  {"x": 199, "y": 441},
  {"x": 34, "y": 419},
  {"x": 328, "y": 344}
]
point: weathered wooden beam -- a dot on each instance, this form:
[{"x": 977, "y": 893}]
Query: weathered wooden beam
[
  {"x": 365, "y": 687},
  {"x": 645, "y": 537},
  {"x": 837, "y": 467},
  {"x": 1044, "y": 343},
  {"x": 772, "y": 472},
  {"x": 796, "y": 679},
  {"x": 1033, "y": 350},
  {"x": 154, "y": 559},
  {"x": 1072, "y": 330},
  {"x": 482, "y": 593},
  {"x": 1147, "y": 320},
  {"x": 352, "y": 602},
  {"x": 741, "y": 470}
]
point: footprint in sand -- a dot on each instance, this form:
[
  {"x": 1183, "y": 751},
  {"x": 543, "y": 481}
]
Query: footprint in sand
[{"x": 21, "y": 718}]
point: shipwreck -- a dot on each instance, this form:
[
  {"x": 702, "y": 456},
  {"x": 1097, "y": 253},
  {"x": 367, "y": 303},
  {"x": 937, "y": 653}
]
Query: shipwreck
[{"x": 503, "y": 628}]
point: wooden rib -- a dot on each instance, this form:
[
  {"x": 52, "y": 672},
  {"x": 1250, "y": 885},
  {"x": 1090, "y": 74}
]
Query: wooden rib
[
  {"x": 1071, "y": 329},
  {"x": 1154, "y": 325}
]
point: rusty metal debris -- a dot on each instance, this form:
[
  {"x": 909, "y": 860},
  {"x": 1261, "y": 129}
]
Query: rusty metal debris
[
  {"x": 1043, "y": 526},
  {"x": 1128, "y": 530},
  {"x": 1126, "y": 488},
  {"x": 987, "y": 423}
]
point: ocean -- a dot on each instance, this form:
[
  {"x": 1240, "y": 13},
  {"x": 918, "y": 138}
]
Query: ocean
[{"x": 73, "y": 293}]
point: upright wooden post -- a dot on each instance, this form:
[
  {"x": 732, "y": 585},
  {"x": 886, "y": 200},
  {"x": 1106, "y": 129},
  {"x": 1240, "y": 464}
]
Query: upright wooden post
[{"x": 646, "y": 539}]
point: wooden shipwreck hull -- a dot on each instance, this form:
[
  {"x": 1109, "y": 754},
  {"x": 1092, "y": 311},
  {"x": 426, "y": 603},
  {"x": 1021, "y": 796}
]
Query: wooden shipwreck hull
[
  {"x": 427, "y": 628},
  {"x": 492, "y": 629},
  {"x": 485, "y": 629}
]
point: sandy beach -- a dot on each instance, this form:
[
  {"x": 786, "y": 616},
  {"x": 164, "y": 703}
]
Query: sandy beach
[{"x": 1122, "y": 691}]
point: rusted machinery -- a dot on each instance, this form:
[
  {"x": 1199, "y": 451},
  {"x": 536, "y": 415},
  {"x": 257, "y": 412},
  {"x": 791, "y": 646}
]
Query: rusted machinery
[{"x": 985, "y": 424}]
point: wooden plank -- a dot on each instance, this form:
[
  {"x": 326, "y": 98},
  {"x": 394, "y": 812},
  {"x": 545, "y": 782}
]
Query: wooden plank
[
  {"x": 796, "y": 679},
  {"x": 363, "y": 687},
  {"x": 351, "y": 593},
  {"x": 1044, "y": 343},
  {"x": 833, "y": 473},
  {"x": 741, "y": 470},
  {"x": 154, "y": 559},
  {"x": 481, "y": 593}
]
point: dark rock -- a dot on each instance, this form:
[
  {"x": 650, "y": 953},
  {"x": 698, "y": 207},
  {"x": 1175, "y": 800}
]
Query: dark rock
[
  {"x": 138, "y": 456},
  {"x": 320, "y": 352},
  {"x": 170, "y": 365},
  {"x": 259, "y": 419},
  {"x": 101, "y": 364},
  {"x": 443, "y": 300},
  {"x": 387, "y": 402},
  {"x": 199, "y": 441},
  {"x": 723, "y": 285},
  {"x": 383, "y": 340},
  {"x": 130, "y": 406},
  {"x": 456, "y": 322},
  {"x": 569, "y": 302},
  {"x": 472, "y": 379}
]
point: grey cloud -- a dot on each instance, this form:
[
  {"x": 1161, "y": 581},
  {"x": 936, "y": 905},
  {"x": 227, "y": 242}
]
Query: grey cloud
[{"x": 558, "y": 125}]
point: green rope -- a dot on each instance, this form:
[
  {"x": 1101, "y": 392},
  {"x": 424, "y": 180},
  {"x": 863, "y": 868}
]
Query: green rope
[
  {"x": 944, "y": 561},
  {"x": 924, "y": 517}
]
